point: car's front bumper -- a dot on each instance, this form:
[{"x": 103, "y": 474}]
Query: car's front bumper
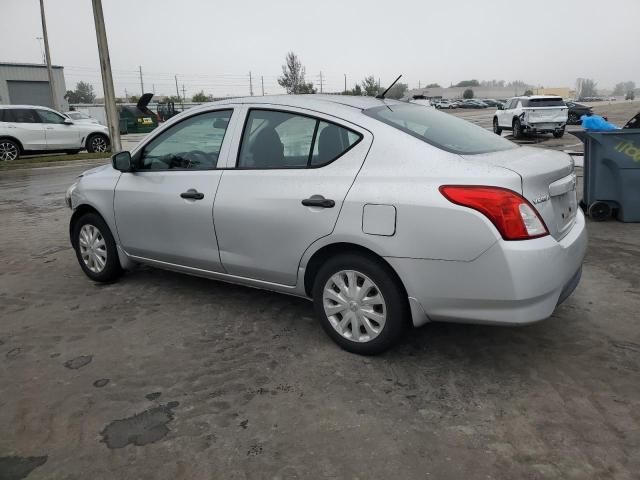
[{"x": 512, "y": 283}]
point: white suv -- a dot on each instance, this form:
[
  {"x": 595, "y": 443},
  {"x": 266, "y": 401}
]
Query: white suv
[
  {"x": 25, "y": 129},
  {"x": 535, "y": 114}
]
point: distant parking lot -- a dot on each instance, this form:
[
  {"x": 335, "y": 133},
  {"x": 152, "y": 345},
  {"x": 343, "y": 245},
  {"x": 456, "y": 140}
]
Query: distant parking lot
[{"x": 164, "y": 376}]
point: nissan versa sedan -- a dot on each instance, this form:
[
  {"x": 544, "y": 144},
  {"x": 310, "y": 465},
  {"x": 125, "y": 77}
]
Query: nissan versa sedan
[{"x": 387, "y": 214}]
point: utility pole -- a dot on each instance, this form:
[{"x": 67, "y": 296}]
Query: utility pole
[
  {"x": 153, "y": 89},
  {"x": 107, "y": 79},
  {"x": 177, "y": 91},
  {"x": 141, "y": 82},
  {"x": 262, "y": 82},
  {"x": 345, "y": 83},
  {"x": 126, "y": 95},
  {"x": 250, "y": 85},
  {"x": 47, "y": 53},
  {"x": 184, "y": 96},
  {"x": 320, "y": 82}
]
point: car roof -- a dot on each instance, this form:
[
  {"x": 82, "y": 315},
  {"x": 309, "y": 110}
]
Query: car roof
[
  {"x": 315, "y": 101},
  {"x": 27, "y": 106}
]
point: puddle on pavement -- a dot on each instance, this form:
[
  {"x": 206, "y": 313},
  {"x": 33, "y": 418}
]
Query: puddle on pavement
[
  {"x": 140, "y": 429},
  {"x": 16, "y": 468}
]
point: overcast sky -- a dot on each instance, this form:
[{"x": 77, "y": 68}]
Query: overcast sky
[{"x": 212, "y": 45}]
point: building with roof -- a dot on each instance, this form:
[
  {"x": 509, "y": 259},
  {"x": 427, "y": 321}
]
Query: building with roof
[{"x": 28, "y": 84}]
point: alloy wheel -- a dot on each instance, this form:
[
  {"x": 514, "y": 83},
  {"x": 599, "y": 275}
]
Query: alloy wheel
[
  {"x": 354, "y": 306},
  {"x": 93, "y": 248},
  {"x": 99, "y": 144},
  {"x": 8, "y": 151}
]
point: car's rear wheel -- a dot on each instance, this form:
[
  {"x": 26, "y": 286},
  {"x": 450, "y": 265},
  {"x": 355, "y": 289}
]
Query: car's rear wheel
[
  {"x": 559, "y": 133},
  {"x": 360, "y": 303},
  {"x": 9, "y": 150},
  {"x": 96, "y": 249},
  {"x": 496, "y": 126},
  {"x": 517, "y": 128},
  {"x": 97, "y": 143}
]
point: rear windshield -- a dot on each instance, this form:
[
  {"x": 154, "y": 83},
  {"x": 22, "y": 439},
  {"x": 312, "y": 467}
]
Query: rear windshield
[
  {"x": 439, "y": 129},
  {"x": 543, "y": 102}
]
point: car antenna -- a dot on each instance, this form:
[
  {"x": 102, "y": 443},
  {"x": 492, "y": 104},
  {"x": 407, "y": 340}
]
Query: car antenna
[{"x": 381, "y": 95}]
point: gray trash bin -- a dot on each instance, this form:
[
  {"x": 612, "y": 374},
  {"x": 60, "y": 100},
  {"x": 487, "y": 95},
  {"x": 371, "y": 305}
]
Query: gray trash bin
[{"x": 612, "y": 174}]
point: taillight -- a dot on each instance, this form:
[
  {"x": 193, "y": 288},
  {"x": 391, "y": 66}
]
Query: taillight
[{"x": 511, "y": 213}]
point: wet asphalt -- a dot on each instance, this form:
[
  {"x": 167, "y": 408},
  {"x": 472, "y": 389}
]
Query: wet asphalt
[{"x": 165, "y": 376}]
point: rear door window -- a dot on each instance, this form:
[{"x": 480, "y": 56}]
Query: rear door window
[
  {"x": 544, "y": 102},
  {"x": 47, "y": 116},
  {"x": 276, "y": 140},
  {"x": 24, "y": 115},
  {"x": 439, "y": 129}
]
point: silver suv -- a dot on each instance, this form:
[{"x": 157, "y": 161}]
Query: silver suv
[
  {"x": 25, "y": 129},
  {"x": 386, "y": 214}
]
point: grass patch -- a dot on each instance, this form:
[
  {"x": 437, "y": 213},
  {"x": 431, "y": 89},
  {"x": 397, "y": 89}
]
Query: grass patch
[{"x": 32, "y": 161}]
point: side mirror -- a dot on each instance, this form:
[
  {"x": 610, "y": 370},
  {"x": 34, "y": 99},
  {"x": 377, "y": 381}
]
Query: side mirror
[
  {"x": 122, "y": 162},
  {"x": 68, "y": 121}
]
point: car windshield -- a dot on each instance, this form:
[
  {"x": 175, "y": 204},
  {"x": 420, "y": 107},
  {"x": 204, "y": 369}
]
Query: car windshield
[
  {"x": 543, "y": 102},
  {"x": 439, "y": 129}
]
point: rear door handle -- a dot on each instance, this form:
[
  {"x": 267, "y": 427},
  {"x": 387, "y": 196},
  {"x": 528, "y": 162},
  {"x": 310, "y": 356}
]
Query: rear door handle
[
  {"x": 192, "y": 194},
  {"x": 318, "y": 201}
]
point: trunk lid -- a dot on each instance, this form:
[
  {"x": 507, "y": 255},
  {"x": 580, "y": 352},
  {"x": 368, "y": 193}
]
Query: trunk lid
[
  {"x": 546, "y": 114},
  {"x": 548, "y": 182}
]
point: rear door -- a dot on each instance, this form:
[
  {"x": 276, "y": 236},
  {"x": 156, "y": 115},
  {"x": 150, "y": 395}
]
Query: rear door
[
  {"x": 24, "y": 124},
  {"x": 59, "y": 135},
  {"x": 284, "y": 190},
  {"x": 164, "y": 209}
]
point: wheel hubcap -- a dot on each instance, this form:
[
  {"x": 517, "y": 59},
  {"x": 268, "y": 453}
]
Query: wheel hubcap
[
  {"x": 354, "y": 306},
  {"x": 99, "y": 144},
  {"x": 8, "y": 151},
  {"x": 93, "y": 248}
]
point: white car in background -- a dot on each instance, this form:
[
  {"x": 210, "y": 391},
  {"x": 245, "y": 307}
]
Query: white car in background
[
  {"x": 28, "y": 129},
  {"x": 534, "y": 114},
  {"x": 79, "y": 117}
]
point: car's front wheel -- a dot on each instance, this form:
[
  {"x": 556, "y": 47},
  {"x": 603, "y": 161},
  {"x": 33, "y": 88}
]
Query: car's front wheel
[
  {"x": 97, "y": 143},
  {"x": 559, "y": 133},
  {"x": 496, "y": 126},
  {"x": 9, "y": 150},
  {"x": 360, "y": 303},
  {"x": 96, "y": 249}
]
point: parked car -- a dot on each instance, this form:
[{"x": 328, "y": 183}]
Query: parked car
[
  {"x": 470, "y": 103},
  {"x": 576, "y": 110},
  {"x": 490, "y": 102},
  {"x": 386, "y": 214},
  {"x": 25, "y": 129},
  {"x": 446, "y": 104},
  {"x": 79, "y": 117},
  {"x": 534, "y": 114}
]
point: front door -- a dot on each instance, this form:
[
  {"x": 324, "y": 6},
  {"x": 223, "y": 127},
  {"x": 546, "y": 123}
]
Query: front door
[
  {"x": 164, "y": 209},
  {"x": 284, "y": 190},
  {"x": 59, "y": 135}
]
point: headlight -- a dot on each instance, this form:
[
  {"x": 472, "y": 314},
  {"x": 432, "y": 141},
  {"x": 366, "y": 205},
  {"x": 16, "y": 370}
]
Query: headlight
[{"x": 68, "y": 193}]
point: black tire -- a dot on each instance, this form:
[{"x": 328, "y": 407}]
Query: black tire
[
  {"x": 9, "y": 150},
  {"x": 599, "y": 211},
  {"x": 572, "y": 118},
  {"x": 496, "y": 126},
  {"x": 112, "y": 269},
  {"x": 98, "y": 143},
  {"x": 559, "y": 133},
  {"x": 386, "y": 283},
  {"x": 517, "y": 128}
]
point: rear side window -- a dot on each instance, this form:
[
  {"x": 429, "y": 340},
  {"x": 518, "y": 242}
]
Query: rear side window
[
  {"x": 275, "y": 139},
  {"x": 24, "y": 115},
  {"x": 543, "y": 102},
  {"x": 440, "y": 129}
]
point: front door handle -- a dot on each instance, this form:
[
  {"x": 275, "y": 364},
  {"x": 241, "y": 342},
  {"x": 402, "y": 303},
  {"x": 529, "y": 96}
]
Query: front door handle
[
  {"x": 192, "y": 194},
  {"x": 318, "y": 201}
]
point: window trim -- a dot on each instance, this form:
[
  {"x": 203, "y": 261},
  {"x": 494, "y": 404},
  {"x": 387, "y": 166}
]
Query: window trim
[
  {"x": 138, "y": 155},
  {"x": 308, "y": 166}
]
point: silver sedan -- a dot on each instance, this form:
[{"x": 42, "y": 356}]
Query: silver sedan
[{"x": 388, "y": 215}]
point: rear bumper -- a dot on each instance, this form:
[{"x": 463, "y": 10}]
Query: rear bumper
[
  {"x": 512, "y": 283},
  {"x": 546, "y": 127}
]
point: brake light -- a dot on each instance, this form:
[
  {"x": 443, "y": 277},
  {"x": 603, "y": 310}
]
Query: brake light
[{"x": 511, "y": 213}]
